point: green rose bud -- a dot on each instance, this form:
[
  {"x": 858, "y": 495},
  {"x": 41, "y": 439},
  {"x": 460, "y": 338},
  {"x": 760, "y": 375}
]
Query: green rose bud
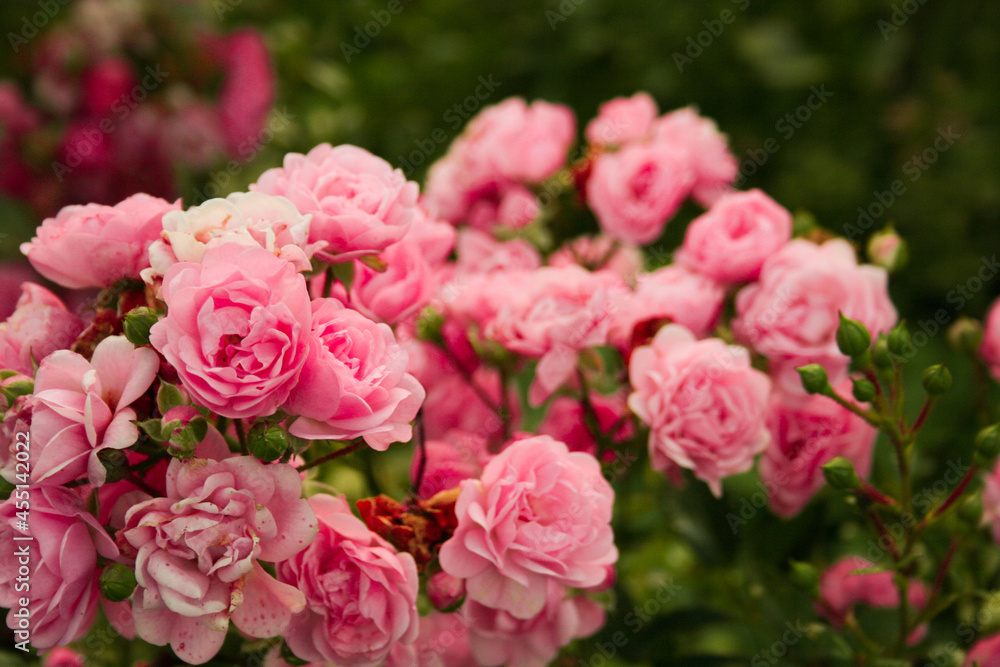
[
  {"x": 863, "y": 390},
  {"x": 137, "y": 324},
  {"x": 937, "y": 379},
  {"x": 840, "y": 474},
  {"x": 853, "y": 338},
  {"x": 117, "y": 582},
  {"x": 814, "y": 379},
  {"x": 987, "y": 446}
]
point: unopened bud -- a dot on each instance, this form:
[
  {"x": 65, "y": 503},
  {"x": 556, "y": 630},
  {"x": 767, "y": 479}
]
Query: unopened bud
[
  {"x": 814, "y": 379},
  {"x": 937, "y": 379},
  {"x": 840, "y": 474},
  {"x": 853, "y": 338},
  {"x": 137, "y": 324},
  {"x": 116, "y": 583}
]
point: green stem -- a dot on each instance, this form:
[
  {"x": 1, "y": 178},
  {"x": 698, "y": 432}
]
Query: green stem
[
  {"x": 241, "y": 434},
  {"x": 344, "y": 451}
]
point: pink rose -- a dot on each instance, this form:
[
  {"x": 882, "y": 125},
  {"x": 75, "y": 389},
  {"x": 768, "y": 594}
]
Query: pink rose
[
  {"x": 671, "y": 294},
  {"x": 399, "y": 292},
  {"x": 13, "y": 274},
  {"x": 499, "y": 638},
  {"x": 359, "y": 204},
  {"x": 805, "y": 434},
  {"x": 354, "y": 383},
  {"x": 703, "y": 401},
  {"x": 551, "y": 314},
  {"x": 197, "y": 553},
  {"x": 790, "y": 315},
  {"x": 731, "y": 241},
  {"x": 66, "y": 541},
  {"x": 63, "y": 657},
  {"x": 479, "y": 252},
  {"x": 985, "y": 653},
  {"x": 360, "y": 594},
  {"x": 990, "y": 349},
  {"x": 635, "y": 191},
  {"x": 601, "y": 253},
  {"x": 713, "y": 166},
  {"x": 540, "y": 514},
  {"x": 236, "y": 330},
  {"x": 840, "y": 589},
  {"x": 479, "y": 181},
  {"x": 443, "y": 642},
  {"x": 623, "y": 120},
  {"x": 105, "y": 84},
  {"x": 39, "y": 326},
  {"x": 529, "y": 142},
  {"x": 81, "y": 407},
  {"x": 248, "y": 90},
  {"x": 95, "y": 245},
  {"x": 243, "y": 218}
]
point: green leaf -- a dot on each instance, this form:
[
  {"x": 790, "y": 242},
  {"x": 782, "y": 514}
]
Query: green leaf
[{"x": 168, "y": 396}]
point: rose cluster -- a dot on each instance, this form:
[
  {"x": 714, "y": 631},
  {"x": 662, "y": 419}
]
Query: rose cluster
[{"x": 239, "y": 346}]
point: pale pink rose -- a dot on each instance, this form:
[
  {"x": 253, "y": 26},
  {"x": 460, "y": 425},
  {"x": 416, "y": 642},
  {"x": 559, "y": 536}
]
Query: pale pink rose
[
  {"x": 805, "y": 434},
  {"x": 623, "y": 120},
  {"x": 518, "y": 208},
  {"x": 990, "y": 349},
  {"x": 398, "y": 293},
  {"x": 359, "y": 204},
  {"x": 82, "y": 407},
  {"x": 551, "y": 314},
  {"x": 443, "y": 642},
  {"x": 714, "y": 167},
  {"x": 984, "y": 653},
  {"x": 236, "y": 329},
  {"x": 498, "y": 638},
  {"x": 601, "y": 253},
  {"x": 360, "y": 594},
  {"x": 671, "y": 294},
  {"x": 790, "y": 315},
  {"x": 887, "y": 249},
  {"x": 39, "y": 326},
  {"x": 635, "y": 191},
  {"x": 841, "y": 588},
  {"x": 243, "y": 218},
  {"x": 95, "y": 245},
  {"x": 731, "y": 241},
  {"x": 529, "y": 142},
  {"x": 191, "y": 583},
  {"x": 540, "y": 514},
  {"x": 703, "y": 401},
  {"x": 458, "y": 456},
  {"x": 354, "y": 383},
  {"x": 480, "y": 252},
  {"x": 62, "y": 558},
  {"x": 435, "y": 238},
  {"x": 63, "y": 657},
  {"x": 479, "y": 181}
]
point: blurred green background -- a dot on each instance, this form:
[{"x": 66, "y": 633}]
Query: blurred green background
[{"x": 896, "y": 76}]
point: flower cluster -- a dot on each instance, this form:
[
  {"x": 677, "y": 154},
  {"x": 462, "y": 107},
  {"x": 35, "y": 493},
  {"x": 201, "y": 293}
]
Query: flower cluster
[
  {"x": 178, "y": 436},
  {"x": 125, "y": 96}
]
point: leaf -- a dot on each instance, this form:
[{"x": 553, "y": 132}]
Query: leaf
[{"x": 168, "y": 396}]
